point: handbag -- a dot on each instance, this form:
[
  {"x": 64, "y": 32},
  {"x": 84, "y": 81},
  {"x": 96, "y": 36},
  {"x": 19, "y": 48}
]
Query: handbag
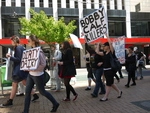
[
  {"x": 115, "y": 64},
  {"x": 46, "y": 77}
]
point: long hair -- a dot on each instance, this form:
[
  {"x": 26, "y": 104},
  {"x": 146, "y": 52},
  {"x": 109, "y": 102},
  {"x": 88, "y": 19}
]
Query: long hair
[
  {"x": 16, "y": 40},
  {"x": 35, "y": 39},
  {"x": 66, "y": 46}
]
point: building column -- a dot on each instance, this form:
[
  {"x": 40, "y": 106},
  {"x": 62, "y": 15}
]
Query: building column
[
  {"x": 27, "y": 8},
  {"x": 128, "y": 20},
  {"x": 8, "y": 3},
  {"x": 88, "y": 4},
  {"x": 63, "y": 3},
  {"x": 55, "y": 9},
  {"x": 104, "y": 3},
  {"x": 96, "y": 4},
  {"x": 18, "y": 3},
  {"x": 72, "y": 4},
  {"x": 119, "y": 4},
  {"x": 112, "y": 4},
  {"x": 36, "y": 3},
  {"x": 46, "y": 4}
]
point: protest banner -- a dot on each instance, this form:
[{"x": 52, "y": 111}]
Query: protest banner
[
  {"x": 75, "y": 41},
  {"x": 119, "y": 47},
  {"x": 95, "y": 25},
  {"x": 30, "y": 59}
]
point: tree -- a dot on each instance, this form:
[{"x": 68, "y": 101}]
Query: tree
[{"x": 46, "y": 28}]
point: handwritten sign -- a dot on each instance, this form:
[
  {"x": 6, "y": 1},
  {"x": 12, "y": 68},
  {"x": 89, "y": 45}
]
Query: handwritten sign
[
  {"x": 30, "y": 59},
  {"x": 95, "y": 25},
  {"x": 119, "y": 47}
]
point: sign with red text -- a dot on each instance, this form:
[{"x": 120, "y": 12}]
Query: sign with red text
[
  {"x": 30, "y": 59},
  {"x": 119, "y": 47},
  {"x": 95, "y": 25}
]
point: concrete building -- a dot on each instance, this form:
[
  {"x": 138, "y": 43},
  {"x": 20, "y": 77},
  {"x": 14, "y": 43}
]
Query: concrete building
[{"x": 123, "y": 19}]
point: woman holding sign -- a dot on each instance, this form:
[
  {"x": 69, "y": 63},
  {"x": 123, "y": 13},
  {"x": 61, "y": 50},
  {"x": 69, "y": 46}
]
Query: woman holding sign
[
  {"x": 37, "y": 77},
  {"x": 108, "y": 72}
]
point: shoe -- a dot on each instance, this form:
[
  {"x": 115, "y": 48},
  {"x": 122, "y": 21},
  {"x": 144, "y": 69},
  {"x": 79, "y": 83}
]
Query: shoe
[
  {"x": 21, "y": 94},
  {"x": 121, "y": 77},
  {"x": 75, "y": 97},
  {"x": 101, "y": 93},
  {"x": 103, "y": 100},
  {"x": 127, "y": 86},
  {"x": 120, "y": 95},
  {"x": 35, "y": 97},
  {"x": 55, "y": 108},
  {"x": 136, "y": 78},
  {"x": 93, "y": 95},
  {"x": 8, "y": 103},
  {"x": 134, "y": 84},
  {"x": 141, "y": 78},
  {"x": 66, "y": 99},
  {"x": 88, "y": 89}
]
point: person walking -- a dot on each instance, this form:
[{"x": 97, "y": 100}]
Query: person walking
[
  {"x": 108, "y": 72},
  {"x": 131, "y": 66},
  {"x": 56, "y": 57},
  {"x": 89, "y": 70},
  {"x": 97, "y": 69},
  {"x": 67, "y": 70},
  {"x": 37, "y": 77},
  {"x": 17, "y": 74}
]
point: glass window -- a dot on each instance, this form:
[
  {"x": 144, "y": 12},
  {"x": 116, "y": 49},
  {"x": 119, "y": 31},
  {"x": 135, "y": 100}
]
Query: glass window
[
  {"x": 116, "y": 28},
  {"x": 123, "y": 7},
  {"x": 22, "y": 2},
  {"x": 140, "y": 28},
  {"x": 41, "y": 3},
  {"x": 59, "y": 3},
  {"x": 32, "y": 3},
  {"x": 3, "y": 3},
  {"x": 50, "y": 3},
  {"x": 13, "y": 3}
]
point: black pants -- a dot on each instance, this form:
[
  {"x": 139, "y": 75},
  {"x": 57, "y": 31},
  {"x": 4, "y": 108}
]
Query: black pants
[
  {"x": 69, "y": 88},
  {"x": 131, "y": 75}
]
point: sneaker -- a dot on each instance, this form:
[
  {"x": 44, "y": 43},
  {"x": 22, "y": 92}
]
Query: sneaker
[
  {"x": 55, "y": 108},
  {"x": 88, "y": 89},
  {"x": 35, "y": 97},
  {"x": 93, "y": 95},
  {"x": 8, "y": 103}
]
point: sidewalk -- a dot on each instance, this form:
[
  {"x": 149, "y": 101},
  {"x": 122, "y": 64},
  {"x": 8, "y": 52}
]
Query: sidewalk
[{"x": 135, "y": 99}]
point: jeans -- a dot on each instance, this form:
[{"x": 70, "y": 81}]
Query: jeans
[
  {"x": 98, "y": 74},
  {"x": 39, "y": 81}
]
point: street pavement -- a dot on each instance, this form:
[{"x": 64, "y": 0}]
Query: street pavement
[{"x": 135, "y": 99}]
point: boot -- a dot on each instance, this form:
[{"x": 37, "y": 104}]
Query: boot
[{"x": 35, "y": 97}]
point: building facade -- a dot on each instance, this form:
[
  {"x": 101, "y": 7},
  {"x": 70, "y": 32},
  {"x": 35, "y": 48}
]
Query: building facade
[{"x": 123, "y": 19}]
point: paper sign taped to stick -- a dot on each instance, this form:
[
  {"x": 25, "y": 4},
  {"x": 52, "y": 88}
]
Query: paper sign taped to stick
[
  {"x": 95, "y": 25},
  {"x": 30, "y": 59}
]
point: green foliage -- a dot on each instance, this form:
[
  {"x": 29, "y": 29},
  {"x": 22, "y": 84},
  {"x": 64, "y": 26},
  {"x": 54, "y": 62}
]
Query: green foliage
[{"x": 46, "y": 28}]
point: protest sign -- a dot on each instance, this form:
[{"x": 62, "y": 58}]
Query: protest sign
[
  {"x": 30, "y": 59},
  {"x": 75, "y": 41},
  {"x": 95, "y": 25},
  {"x": 119, "y": 47}
]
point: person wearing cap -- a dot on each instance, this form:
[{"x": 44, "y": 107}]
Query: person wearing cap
[{"x": 108, "y": 72}]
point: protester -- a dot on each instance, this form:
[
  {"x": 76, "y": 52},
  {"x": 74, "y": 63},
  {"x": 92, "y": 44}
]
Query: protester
[
  {"x": 17, "y": 75},
  {"x": 67, "y": 70},
  {"x": 97, "y": 69},
  {"x": 140, "y": 62},
  {"x": 89, "y": 70},
  {"x": 37, "y": 77},
  {"x": 131, "y": 66},
  {"x": 108, "y": 72},
  {"x": 56, "y": 57}
]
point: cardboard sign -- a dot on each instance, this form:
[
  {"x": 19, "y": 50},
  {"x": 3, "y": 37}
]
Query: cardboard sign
[
  {"x": 119, "y": 47},
  {"x": 95, "y": 25},
  {"x": 30, "y": 59}
]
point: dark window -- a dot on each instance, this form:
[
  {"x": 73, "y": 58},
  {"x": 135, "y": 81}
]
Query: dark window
[
  {"x": 123, "y": 7},
  {"x": 84, "y": 4},
  {"x": 115, "y": 4},
  {"x": 59, "y": 3},
  {"x": 108, "y": 4},
  {"x": 140, "y": 28},
  {"x": 76, "y": 4},
  {"x": 13, "y": 3},
  {"x": 3, "y": 3},
  {"x": 32, "y": 3},
  {"x": 41, "y": 3},
  {"x": 50, "y": 3},
  {"x": 22, "y": 2},
  {"x": 116, "y": 28}
]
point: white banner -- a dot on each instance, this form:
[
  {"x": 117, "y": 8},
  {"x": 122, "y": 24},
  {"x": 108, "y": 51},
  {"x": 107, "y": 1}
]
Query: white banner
[
  {"x": 95, "y": 25},
  {"x": 30, "y": 59},
  {"x": 75, "y": 41},
  {"x": 119, "y": 47}
]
